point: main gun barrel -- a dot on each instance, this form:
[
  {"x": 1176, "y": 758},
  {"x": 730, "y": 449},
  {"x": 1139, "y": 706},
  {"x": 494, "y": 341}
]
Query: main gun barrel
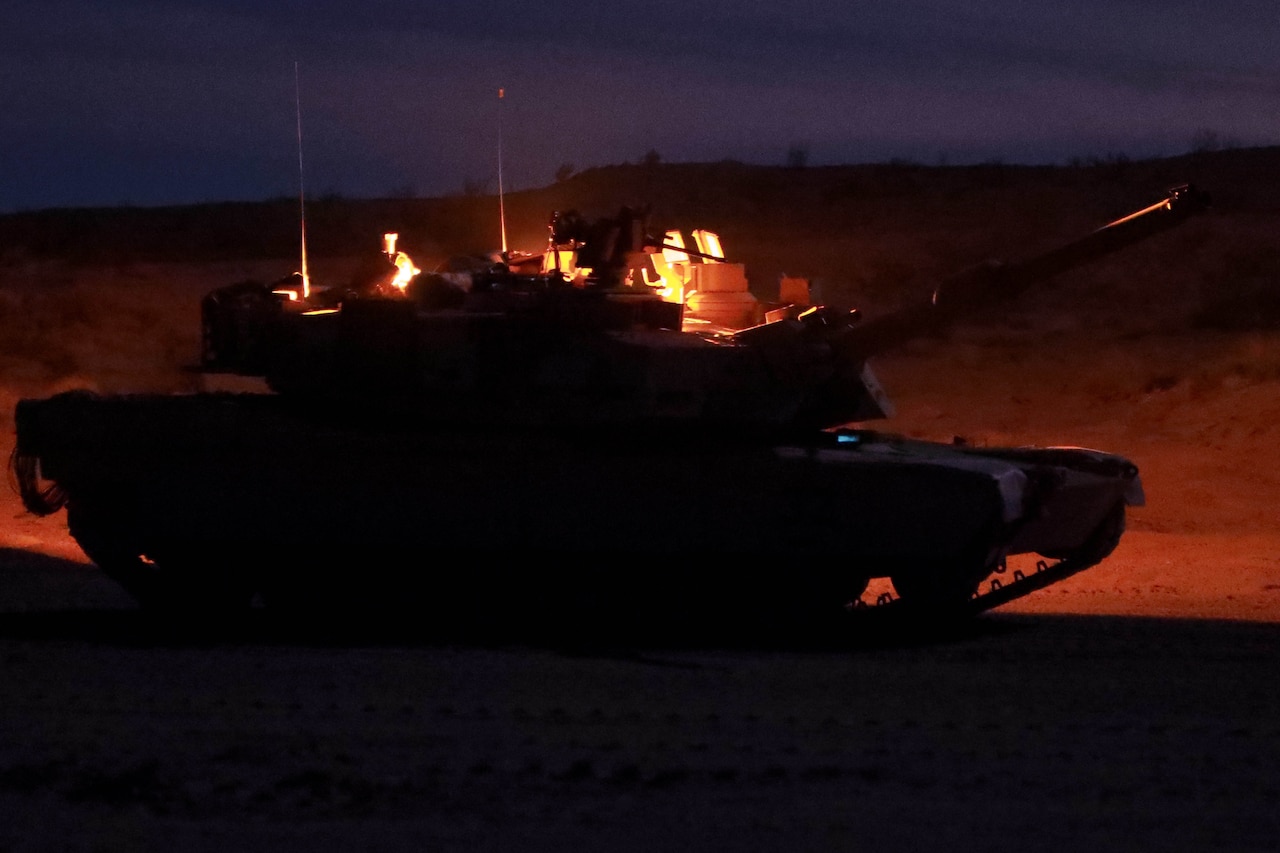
[
  {"x": 995, "y": 282},
  {"x": 832, "y": 350}
]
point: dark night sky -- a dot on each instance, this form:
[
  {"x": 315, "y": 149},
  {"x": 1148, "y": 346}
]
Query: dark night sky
[{"x": 137, "y": 102}]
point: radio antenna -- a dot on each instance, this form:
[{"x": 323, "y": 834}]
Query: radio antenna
[
  {"x": 302, "y": 203},
  {"x": 502, "y": 213}
]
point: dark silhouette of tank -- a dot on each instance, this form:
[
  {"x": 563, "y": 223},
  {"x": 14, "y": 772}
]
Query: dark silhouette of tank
[{"x": 529, "y": 434}]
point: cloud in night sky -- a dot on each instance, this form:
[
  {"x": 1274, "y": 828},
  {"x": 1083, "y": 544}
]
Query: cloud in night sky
[{"x": 194, "y": 100}]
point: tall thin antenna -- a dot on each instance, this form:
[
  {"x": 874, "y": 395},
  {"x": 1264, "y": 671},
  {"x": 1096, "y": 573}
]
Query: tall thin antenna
[
  {"x": 502, "y": 213},
  {"x": 302, "y": 202}
]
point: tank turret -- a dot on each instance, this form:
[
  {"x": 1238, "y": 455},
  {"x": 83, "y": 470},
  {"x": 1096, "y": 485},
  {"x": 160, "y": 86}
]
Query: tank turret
[{"x": 578, "y": 337}]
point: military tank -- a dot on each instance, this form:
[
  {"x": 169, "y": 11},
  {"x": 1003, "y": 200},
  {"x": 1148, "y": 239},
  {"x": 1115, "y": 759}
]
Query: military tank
[{"x": 545, "y": 429}]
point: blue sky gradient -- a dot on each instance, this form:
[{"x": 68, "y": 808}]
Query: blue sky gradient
[{"x": 187, "y": 101}]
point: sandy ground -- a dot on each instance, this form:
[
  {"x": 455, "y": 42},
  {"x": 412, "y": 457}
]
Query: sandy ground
[
  {"x": 1041, "y": 731},
  {"x": 1131, "y": 707}
]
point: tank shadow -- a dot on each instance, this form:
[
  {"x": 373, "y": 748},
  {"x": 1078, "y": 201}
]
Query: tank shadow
[
  {"x": 584, "y": 635},
  {"x": 20, "y": 559},
  {"x": 51, "y": 599},
  {"x": 1097, "y": 635}
]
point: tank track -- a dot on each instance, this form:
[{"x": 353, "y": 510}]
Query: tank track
[
  {"x": 999, "y": 588},
  {"x": 1003, "y": 585}
]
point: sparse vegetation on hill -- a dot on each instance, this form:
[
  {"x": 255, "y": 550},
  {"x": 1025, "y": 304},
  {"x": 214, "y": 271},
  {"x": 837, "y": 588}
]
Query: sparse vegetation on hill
[{"x": 870, "y": 235}]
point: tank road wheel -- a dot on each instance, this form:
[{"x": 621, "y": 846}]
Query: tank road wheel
[
  {"x": 828, "y": 596},
  {"x": 184, "y": 581},
  {"x": 97, "y": 534},
  {"x": 793, "y": 606},
  {"x": 820, "y": 606},
  {"x": 939, "y": 589}
]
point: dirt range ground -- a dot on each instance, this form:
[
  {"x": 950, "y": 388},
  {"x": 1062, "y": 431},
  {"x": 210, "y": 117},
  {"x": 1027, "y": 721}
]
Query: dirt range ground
[{"x": 1036, "y": 731}]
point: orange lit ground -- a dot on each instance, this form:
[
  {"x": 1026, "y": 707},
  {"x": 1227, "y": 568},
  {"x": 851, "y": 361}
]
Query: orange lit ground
[{"x": 1206, "y": 545}]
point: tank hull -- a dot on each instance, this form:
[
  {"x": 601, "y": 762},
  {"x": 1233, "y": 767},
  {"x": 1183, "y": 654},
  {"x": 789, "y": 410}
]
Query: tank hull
[{"x": 230, "y": 496}]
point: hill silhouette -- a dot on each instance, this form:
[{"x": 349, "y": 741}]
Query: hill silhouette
[{"x": 870, "y": 234}]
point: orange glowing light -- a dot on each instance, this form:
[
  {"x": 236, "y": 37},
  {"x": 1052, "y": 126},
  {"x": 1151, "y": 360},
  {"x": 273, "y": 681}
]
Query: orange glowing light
[
  {"x": 672, "y": 268},
  {"x": 405, "y": 270},
  {"x": 565, "y": 261},
  {"x": 709, "y": 244}
]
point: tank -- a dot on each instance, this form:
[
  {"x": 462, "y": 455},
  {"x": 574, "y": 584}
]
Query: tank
[{"x": 548, "y": 432}]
